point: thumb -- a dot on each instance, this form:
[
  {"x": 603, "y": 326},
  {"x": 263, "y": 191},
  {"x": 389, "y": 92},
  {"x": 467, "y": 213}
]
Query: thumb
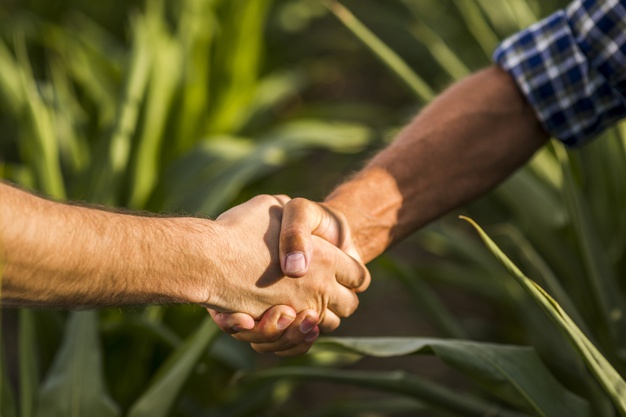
[{"x": 301, "y": 219}]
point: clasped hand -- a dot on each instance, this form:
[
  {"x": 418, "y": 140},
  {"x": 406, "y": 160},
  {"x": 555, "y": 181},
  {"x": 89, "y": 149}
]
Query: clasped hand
[{"x": 305, "y": 272}]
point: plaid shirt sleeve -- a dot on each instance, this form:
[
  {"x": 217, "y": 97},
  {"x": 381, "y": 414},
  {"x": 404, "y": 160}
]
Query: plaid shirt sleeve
[{"x": 572, "y": 68}]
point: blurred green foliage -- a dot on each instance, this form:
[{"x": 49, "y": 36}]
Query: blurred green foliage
[{"x": 194, "y": 105}]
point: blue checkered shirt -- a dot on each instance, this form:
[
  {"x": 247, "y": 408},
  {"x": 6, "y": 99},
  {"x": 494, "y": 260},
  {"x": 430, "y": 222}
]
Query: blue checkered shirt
[{"x": 572, "y": 68}]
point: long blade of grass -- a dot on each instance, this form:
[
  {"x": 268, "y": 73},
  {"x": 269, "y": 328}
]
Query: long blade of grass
[
  {"x": 426, "y": 299},
  {"x": 478, "y": 26},
  {"x": 439, "y": 49},
  {"x": 12, "y": 93},
  {"x": 197, "y": 26},
  {"x": 29, "y": 375},
  {"x": 70, "y": 117},
  {"x": 386, "y": 55},
  {"x": 600, "y": 275},
  {"x": 93, "y": 60},
  {"x": 548, "y": 276},
  {"x": 607, "y": 376},
  {"x": 237, "y": 62},
  {"x": 159, "y": 398},
  {"x": 520, "y": 11},
  {"x": 8, "y": 407},
  {"x": 515, "y": 373},
  {"x": 107, "y": 180},
  {"x": 547, "y": 211},
  {"x": 42, "y": 144},
  {"x": 164, "y": 79},
  {"x": 398, "y": 382},
  {"x": 75, "y": 385}
]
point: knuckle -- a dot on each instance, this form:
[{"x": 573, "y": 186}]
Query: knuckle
[
  {"x": 352, "y": 307},
  {"x": 264, "y": 199},
  {"x": 282, "y": 198},
  {"x": 365, "y": 281},
  {"x": 299, "y": 203}
]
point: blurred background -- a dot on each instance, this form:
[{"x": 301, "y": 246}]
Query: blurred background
[{"x": 194, "y": 106}]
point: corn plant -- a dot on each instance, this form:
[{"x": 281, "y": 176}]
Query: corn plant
[
  {"x": 186, "y": 112},
  {"x": 561, "y": 219},
  {"x": 177, "y": 116}
]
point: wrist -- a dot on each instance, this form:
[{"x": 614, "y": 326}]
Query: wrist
[
  {"x": 195, "y": 244},
  {"x": 370, "y": 204}
]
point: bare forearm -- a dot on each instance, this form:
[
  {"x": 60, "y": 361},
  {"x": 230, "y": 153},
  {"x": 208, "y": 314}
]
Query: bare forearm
[
  {"x": 468, "y": 140},
  {"x": 66, "y": 256},
  {"x": 70, "y": 256}
]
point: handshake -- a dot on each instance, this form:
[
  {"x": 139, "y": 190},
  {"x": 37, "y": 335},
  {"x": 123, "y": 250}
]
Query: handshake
[
  {"x": 292, "y": 270},
  {"x": 274, "y": 272}
]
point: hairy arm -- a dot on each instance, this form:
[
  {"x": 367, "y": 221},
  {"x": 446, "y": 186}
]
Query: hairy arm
[
  {"x": 472, "y": 137},
  {"x": 62, "y": 255},
  {"x": 468, "y": 140},
  {"x": 58, "y": 255}
]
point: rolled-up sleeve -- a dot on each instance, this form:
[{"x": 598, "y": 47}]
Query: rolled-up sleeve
[{"x": 571, "y": 67}]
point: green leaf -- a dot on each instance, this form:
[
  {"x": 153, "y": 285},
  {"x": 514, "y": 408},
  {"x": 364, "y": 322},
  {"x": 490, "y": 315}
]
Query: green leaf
[
  {"x": 213, "y": 173},
  {"x": 8, "y": 407},
  {"x": 397, "y": 382},
  {"x": 426, "y": 299},
  {"x": 607, "y": 376},
  {"x": 75, "y": 386},
  {"x": 40, "y": 144},
  {"x": 600, "y": 275},
  {"x": 113, "y": 166},
  {"x": 164, "y": 80},
  {"x": 439, "y": 49},
  {"x": 386, "y": 55},
  {"x": 360, "y": 407},
  {"x": 547, "y": 209},
  {"x": 29, "y": 375},
  {"x": 159, "y": 398},
  {"x": 512, "y": 372},
  {"x": 238, "y": 56}
]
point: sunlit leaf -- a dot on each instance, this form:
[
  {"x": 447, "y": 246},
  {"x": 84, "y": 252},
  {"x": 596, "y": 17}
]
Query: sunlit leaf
[
  {"x": 29, "y": 374},
  {"x": 429, "y": 393},
  {"x": 75, "y": 386},
  {"x": 513, "y": 372},
  {"x": 385, "y": 54},
  {"x": 159, "y": 398},
  {"x": 607, "y": 376},
  {"x": 8, "y": 406}
]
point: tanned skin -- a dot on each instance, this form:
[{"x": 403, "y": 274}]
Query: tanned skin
[
  {"x": 467, "y": 141},
  {"x": 68, "y": 256}
]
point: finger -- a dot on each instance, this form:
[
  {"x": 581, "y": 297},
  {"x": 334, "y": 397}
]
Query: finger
[
  {"x": 350, "y": 272},
  {"x": 343, "y": 301},
  {"x": 296, "y": 338},
  {"x": 271, "y": 326},
  {"x": 330, "y": 322},
  {"x": 232, "y": 322},
  {"x": 302, "y": 348},
  {"x": 300, "y": 218}
]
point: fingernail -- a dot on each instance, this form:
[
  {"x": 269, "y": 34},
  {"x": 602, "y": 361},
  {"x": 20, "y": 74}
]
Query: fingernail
[
  {"x": 312, "y": 335},
  {"x": 237, "y": 328},
  {"x": 284, "y": 322},
  {"x": 307, "y": 324},
  {"x": 295, "y": 262}
]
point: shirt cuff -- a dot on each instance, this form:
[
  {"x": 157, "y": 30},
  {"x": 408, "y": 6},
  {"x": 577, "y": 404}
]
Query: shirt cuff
[{"x": 571, "y": 97}]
